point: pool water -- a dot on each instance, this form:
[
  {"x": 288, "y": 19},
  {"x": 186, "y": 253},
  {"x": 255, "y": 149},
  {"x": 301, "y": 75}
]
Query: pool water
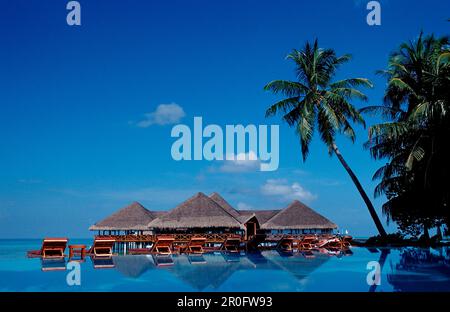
[{"x": 402, "y": 269}]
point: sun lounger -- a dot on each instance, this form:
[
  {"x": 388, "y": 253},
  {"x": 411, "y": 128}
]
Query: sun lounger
[
  {"x": 195, "y": 245},
  {"x": 231, "y": 244},
  {"x": 102, "y": 247},
  {"x": 52, "y": 248},
  {"x": 306, "y": 243},
  {"x": 346, "y": 241},
  {"x": 163, "y": 245},
  {"x": 330, "y": 241},
  {"x": 285, "y": 243}
]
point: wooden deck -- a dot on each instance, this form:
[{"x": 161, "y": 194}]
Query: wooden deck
[
  {"x": 178, "y": 238},
  {"x": 179, "y": 243}
]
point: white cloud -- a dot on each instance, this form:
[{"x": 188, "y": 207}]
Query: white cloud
[
  {"x": 242, "y": 162},
  {"x": 165, "y": 114},
  {"x": 244, "y": 206},
  {"x": 282, "y": 188}
]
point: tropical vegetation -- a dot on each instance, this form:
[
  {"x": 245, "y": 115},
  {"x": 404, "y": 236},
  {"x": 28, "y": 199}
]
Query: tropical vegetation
[
  {"x": 315, "y": 102},
  {"x": 414, "y": 136}
]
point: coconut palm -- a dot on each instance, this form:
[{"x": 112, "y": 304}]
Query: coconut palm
[
  {"x": 415, "y": 134},
  {"x": 315, "y": 101}
]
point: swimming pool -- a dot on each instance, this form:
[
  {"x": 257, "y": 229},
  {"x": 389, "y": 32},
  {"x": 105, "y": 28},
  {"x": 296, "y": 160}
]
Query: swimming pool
[{"x": 402, "y": 269}]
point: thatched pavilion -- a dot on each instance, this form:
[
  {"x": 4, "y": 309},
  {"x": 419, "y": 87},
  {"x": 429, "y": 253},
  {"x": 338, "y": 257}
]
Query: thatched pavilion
[
  {"x": 132, "y": 219},
  {"x": 197, "y": 214},
  {"x": 213, "y": 214},
  {"x": 297, "y": 218}
]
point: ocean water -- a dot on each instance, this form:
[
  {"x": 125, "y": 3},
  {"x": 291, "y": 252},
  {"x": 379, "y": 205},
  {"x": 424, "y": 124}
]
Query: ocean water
[{"x": 401, "y": 269}]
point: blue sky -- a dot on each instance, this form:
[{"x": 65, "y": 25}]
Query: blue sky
[{"x": 72, "y": 102}]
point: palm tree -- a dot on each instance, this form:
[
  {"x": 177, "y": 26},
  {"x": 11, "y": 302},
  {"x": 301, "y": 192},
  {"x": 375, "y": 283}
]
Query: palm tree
[
  {"x": 415, "y": 134},
  {"x": 416, "y": 96},
  {"x": 314, "y": 100}
]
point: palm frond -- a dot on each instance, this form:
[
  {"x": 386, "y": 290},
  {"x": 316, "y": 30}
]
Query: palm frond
[
  {"x": 352, "y": 83},
  {"x": 287, "y": 88},
  {"x": 283, "y": 106}
]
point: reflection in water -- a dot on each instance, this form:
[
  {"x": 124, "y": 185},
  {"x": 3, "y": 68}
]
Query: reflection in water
[
  {"x": 382, "y": 260},
  {"x": 163, "y": 260},
  {"x": 133, "y": 266},
  {"x": 196, "y": 259},
  {"x": 421, "y": 270},
  {"x": 53, "y": 264},
  {"x": 403, "y": 269},
  {"x": 229, "y": 256},
  {"x": 102, "y": 262},
  {"x": 213, "y": 269}
]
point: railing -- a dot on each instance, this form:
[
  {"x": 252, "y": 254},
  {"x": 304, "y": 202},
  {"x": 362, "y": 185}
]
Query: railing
[
  {"x": 277, "y": 237},
  {"x": 129, "y": 238},
  {"x": 179, "y": 238}
]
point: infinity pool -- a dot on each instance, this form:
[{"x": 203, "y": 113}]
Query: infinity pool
[{"x": 405, "y": 269}]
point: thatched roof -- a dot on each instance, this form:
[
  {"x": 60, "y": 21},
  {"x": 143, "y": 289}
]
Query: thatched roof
[
  {"x": 243, "y": 215},
  {"x": 131, "y": 217},
  {"x": 158, "y": 213},
  {"x": 199, "y": 211},
  {"x": 262, "y": 215},
  {"x": 224, "y": 204},
  {"x": 298, "y": 216}
]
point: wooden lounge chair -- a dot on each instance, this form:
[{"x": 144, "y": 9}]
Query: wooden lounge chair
[
  {"x": 340, "y": 242},
  {"x": 163, "y": 245},
  {"x": 102, "y": 247},
  {"x": 328, "y": 241},
  {"x": 231, "y": 244},
  {"x": 307, "y": 242},
  {"x": 195, "y": 245},
  {"x": 52, "y": 248},
  {"x": 346, "y": 241},
  {"x": 285, "y": 244}
]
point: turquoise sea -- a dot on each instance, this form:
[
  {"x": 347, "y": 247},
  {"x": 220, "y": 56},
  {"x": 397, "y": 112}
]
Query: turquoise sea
[{"x": 402, "y": 269}]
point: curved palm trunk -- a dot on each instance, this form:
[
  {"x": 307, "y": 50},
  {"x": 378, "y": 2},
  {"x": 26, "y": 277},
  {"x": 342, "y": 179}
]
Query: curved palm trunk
[{"x": 363, "y": 194}]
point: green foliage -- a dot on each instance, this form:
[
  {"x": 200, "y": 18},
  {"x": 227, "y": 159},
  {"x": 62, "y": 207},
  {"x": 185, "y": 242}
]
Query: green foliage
[
  {"x": 415, "y": 136},
  {"x": 390, "y": 239},
  {"x": 315, "y": 101}
]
